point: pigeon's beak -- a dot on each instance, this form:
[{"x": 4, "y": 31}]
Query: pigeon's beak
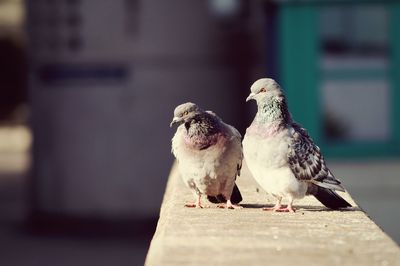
[
  {"x": 174, "y": 121},
  {"x": 250, "y": 97}
]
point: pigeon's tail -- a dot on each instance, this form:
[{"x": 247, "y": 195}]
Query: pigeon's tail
[
  {"x": 236, "y": 197},
  {"x": 330, "y": 198}
]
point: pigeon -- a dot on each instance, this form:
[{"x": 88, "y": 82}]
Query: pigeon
[
  {"x": 209, "y": 155},
  {"x": 281, "y": 155}
]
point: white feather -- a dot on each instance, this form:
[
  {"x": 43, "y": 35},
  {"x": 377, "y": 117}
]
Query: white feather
[
  {"x": 267, "y": 160},
  {"x": 212, "y": 170}
]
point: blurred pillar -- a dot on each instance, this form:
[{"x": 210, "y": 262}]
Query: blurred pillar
[{"x": 272, "y": 39}]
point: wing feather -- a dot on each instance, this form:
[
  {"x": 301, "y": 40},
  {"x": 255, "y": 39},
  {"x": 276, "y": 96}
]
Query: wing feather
[{"x": 306, "y": 161}]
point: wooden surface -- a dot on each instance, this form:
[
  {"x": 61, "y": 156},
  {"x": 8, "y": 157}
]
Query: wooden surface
[{"x": 313, "y": 235}]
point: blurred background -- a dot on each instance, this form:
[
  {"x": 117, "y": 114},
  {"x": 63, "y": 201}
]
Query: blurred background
[{"x": 88, "y": 88}]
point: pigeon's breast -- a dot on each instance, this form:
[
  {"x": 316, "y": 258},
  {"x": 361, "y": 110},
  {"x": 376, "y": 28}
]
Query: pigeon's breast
[
  {"x": 207, "y": 168},
  {"x": 264, "y": 131},
  {"x": 267, "y": 160},
  {"x": 266, "y": 148},
  {"x": 201, "y": 142}
]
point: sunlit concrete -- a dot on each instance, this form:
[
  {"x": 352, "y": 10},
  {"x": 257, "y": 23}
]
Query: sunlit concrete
[{"x": 249, "y": 236}]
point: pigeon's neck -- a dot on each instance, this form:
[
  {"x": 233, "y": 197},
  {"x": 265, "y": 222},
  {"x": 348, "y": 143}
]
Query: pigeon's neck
[
  {"x": 273, "y": 111},
  {"x": 202, "y": 125},
  {"x": 202, "y": 131}
]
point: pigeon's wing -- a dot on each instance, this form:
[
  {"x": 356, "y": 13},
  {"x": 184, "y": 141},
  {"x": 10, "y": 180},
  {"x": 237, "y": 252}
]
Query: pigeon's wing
[
  {"x": 236, "y": 137},
  {"x": 236, "y": 141},
  {"x": 306, "y": 161}
]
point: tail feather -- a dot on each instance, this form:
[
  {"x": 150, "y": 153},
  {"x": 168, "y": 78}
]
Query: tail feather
[
  {"x": 236, "y": 197},
  {"x": 328, "y": 184},
  {"x": 330, "y": 198}
]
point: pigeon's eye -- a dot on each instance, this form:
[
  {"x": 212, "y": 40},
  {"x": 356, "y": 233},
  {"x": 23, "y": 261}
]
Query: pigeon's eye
[
  {"x": 185, "y": 113},
  {"x": 263, "y": 90}
]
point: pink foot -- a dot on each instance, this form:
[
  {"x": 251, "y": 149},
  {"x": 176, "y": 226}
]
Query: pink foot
[
  {"x": 275, "y": 208},
  {"x": 233, "y": 206},
  {"x": 193, "y": 205},
  {"x": 229, "y": 205},
  {"x": 287, "y": 209},
  {"x": 280, "y": 209}
]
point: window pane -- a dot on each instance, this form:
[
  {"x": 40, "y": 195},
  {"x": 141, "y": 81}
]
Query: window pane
[
  {"x": 356, "y": 110},
  {"x": 354, "y": 67}
]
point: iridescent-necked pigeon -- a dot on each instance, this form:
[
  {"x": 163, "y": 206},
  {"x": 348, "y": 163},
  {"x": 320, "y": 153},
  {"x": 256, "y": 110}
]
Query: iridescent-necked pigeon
[{"x": 281, "y": 155}]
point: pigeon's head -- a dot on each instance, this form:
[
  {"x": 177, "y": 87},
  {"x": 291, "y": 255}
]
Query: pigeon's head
[
  {"x": 264, "y": 89},
  {"x": 184, "y": 113}
]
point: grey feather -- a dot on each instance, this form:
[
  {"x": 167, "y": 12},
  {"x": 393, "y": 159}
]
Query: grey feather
[{"x": 306, "y": 161}]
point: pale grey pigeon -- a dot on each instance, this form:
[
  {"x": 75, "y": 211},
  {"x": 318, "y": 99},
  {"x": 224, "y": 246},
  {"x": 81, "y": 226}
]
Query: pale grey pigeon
[
  {"x": 281, "y": 155},
  {"x": 209, "y": 154}
]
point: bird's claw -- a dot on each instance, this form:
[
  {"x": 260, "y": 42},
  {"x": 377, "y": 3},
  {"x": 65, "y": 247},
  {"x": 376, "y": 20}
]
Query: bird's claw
[
  {"x": 193, "y": 205},
  {"x": 275, "y": 208},
  {"x": 229, "y": 206},
  {"x": 279, "y": 209},
  {"x": 233, "y": 206},
  {"x": 287, "y": 209}
]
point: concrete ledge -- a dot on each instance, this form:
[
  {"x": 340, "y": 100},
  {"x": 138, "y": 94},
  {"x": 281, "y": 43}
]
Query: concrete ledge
[{"x": 313, "y": 235}]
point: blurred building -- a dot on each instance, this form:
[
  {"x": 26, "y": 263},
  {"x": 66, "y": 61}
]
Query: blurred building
[{"x": 105, "y": 77}]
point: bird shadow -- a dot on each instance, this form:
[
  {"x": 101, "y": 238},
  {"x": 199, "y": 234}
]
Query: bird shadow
[{"x": 301, "y": 207}]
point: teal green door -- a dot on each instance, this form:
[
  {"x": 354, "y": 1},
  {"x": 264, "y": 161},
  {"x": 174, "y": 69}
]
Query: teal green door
[{"x": 340, "y": 67}]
